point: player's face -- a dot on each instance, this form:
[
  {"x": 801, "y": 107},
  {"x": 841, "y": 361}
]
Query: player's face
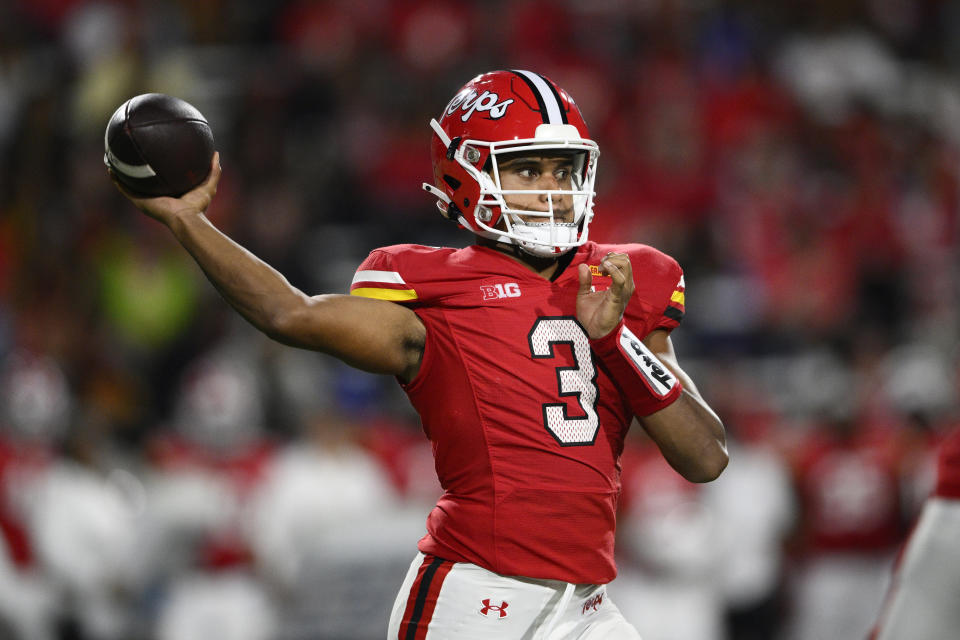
[{"x": 540, "y": 172}]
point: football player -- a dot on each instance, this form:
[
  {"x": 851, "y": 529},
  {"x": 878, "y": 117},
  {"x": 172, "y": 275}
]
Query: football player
[{"x": 527, "y": 355}]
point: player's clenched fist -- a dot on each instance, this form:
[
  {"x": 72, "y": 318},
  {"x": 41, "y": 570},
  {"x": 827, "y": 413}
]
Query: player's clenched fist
[{"x": 600, "y": 311}]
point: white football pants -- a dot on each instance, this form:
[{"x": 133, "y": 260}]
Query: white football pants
[
  {"x": 442, "y": 600},
  {"x": 924, "y": 599}
]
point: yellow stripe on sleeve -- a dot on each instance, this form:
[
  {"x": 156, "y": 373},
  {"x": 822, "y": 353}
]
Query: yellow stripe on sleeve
[
  {"x": 677, "y": 297},
  {"x": 385, "y": 294}
]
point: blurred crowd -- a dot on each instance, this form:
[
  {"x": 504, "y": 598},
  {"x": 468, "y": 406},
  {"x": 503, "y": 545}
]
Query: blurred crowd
[{"x": 168, "y": 473}]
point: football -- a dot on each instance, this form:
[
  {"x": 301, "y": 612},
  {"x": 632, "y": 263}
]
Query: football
[{"x": 158, "y": 145}]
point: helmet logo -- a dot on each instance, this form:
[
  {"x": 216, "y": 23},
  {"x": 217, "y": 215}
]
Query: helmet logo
[{"x": 469, "y": 102}]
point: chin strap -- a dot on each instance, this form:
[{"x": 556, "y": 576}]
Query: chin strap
[
  {"x": 448, "y": 209},
  {"x": 443, "y": 201},
  {"x": 429, "y": 188}
]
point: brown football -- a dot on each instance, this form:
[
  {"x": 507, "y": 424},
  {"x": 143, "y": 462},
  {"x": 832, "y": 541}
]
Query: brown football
[{"x": 158, "y": 145}]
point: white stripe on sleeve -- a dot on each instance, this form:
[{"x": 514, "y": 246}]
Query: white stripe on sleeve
[{"x": 391, "y": 277}]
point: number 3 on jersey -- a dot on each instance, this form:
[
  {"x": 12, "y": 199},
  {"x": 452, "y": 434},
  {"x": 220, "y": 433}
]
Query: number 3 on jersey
[{"x": 579, "y": 380}]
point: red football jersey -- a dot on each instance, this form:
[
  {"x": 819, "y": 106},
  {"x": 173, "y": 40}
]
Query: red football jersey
[
  {"x": 526, "y": 429},
  {"x": 948, "y": 467},
  {"x": 850, "y": 491}
]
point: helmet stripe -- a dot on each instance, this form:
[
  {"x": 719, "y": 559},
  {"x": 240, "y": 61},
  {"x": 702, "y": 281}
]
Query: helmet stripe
[
  {"x": 556, "y": 96},
  {"x": 549, "y": 102}
]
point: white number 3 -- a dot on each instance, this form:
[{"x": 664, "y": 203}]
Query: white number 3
[{"x": 579, "y": 380}]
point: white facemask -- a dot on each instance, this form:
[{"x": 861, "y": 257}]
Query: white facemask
[{"x": 540, "y": 235}]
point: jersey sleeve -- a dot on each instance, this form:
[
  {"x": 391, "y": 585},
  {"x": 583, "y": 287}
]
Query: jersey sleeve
[
  {"x": 380, "y": 276},
  {"x": 676, "y": 306},
  {"x": 659, "y": 300}
]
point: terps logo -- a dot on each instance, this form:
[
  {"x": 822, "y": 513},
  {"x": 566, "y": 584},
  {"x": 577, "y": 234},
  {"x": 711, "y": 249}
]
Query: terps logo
[
  {"x": 592, "y": 604},
  {"x": 653, "y": 366},
  {"x": 500, "y": 609},
  {"x": 469, "y": 102},
  {"x": 498, "y": 291}
]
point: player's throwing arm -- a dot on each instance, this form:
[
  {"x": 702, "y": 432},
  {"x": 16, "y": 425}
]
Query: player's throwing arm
[{"x": 373, "y": 335}]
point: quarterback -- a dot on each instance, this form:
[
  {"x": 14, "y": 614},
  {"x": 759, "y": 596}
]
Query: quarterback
[{"x": 527, "y": 355}]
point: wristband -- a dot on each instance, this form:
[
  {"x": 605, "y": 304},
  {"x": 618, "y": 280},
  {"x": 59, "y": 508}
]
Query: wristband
[{"x": 648, "y": 385}]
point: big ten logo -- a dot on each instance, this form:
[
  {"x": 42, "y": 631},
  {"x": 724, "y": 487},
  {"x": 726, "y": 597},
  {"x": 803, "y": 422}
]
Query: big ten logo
[{"x": 500, "y": 290}]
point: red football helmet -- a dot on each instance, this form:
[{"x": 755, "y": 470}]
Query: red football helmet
[{"x": 508, "y": 112}]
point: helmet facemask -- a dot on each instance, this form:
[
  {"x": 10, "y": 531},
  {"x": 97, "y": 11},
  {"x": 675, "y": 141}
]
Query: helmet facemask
[
  {"x": 537, "y": 232},
  {"x": 560, "y": 221}
]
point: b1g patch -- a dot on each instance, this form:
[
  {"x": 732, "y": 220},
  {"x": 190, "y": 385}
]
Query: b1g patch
[{"x": 658, "y": 378}]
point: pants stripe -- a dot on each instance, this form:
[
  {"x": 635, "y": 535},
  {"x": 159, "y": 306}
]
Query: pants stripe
[{"x": 423, "y": 598}]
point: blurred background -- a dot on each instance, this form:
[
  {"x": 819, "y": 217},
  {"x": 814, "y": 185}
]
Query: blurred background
[{"x": 168, "y": 473}]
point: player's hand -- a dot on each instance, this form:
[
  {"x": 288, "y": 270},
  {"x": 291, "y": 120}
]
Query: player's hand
[
  {"x": 193, "y": 202},
  {"x": 600, "y": 311}
]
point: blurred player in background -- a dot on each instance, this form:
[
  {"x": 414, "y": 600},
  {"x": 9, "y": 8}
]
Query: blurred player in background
[
  {"x": 527, "y": 356},
  {"x": 922, "y": 601},
  {"x": 201, "y": 477},
  {"x": 848, "y": 482}
]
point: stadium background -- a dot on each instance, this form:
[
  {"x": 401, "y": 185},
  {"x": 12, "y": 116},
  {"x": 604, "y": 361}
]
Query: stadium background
[{"x": 167, "y": 472}]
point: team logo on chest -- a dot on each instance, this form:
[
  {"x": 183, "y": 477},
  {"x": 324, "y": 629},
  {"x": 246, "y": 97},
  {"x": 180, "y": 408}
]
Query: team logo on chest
[{"x": 500, "y": 290}]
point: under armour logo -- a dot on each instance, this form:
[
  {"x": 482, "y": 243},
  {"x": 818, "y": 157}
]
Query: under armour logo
[{"x": 487, "y": 607}]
